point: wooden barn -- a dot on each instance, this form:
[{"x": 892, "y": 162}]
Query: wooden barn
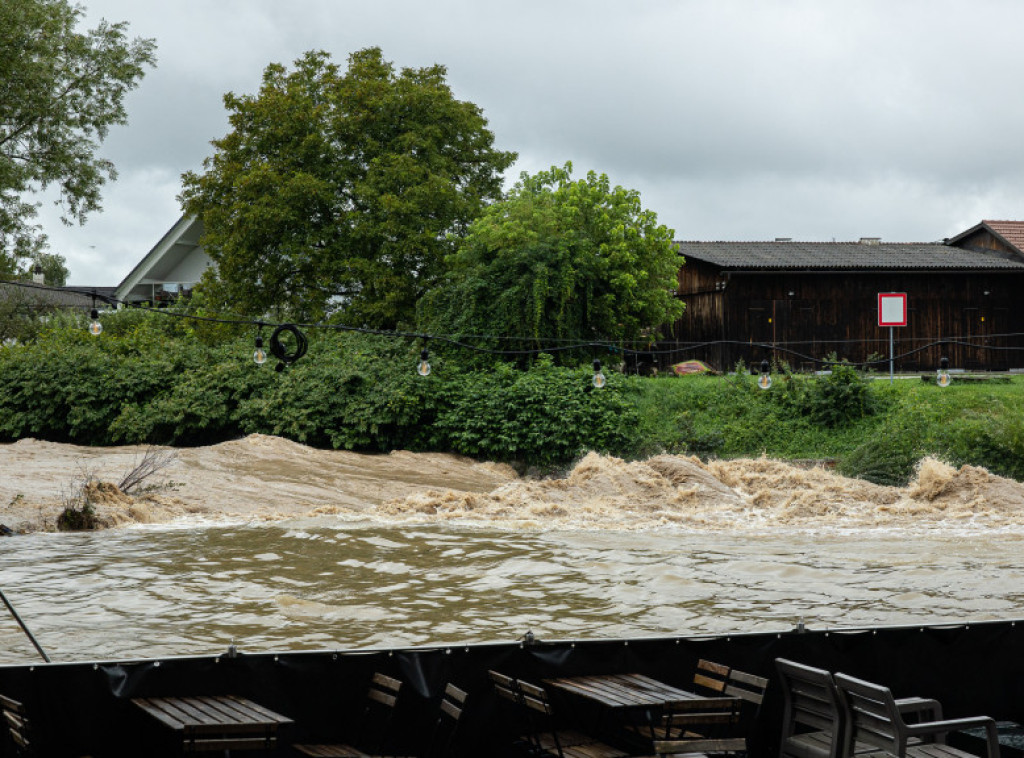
[{"x": 801, "y": 301}]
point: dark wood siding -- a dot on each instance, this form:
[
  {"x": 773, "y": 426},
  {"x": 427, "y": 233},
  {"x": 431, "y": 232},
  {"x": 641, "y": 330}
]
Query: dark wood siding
[
  {"x": 806, "y": 316},
  {"x": 985, "y": 240}
]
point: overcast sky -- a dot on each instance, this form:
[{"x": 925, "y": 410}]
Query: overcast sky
[{"x": 900, "y": 119}]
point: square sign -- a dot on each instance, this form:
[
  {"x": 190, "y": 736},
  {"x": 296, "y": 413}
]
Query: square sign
[{"x": 892, "y": 308}]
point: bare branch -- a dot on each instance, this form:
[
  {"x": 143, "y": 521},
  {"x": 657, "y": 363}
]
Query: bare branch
[{"x": 153, "y": 461}]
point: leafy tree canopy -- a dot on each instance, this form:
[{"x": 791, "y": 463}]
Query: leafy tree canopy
[
  {"x": 60, "y": 92},
  {"x": 560, "y": 258},
  {"x": 53, "y": 268},
  {"x": 339, "y": 191}
]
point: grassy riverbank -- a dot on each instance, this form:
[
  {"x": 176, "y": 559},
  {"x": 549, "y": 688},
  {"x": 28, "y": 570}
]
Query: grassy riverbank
[
  {"x": 878, "y": 431},
  {"x": 152, "y": 379}
]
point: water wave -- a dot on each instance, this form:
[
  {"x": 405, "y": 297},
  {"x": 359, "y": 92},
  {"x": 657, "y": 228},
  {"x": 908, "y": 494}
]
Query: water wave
[
  {"x": 676, "y": 491},
  {"x": 267, "y": 479}
]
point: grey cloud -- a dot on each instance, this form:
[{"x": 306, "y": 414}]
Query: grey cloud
[{"x": 735, "y": 120}]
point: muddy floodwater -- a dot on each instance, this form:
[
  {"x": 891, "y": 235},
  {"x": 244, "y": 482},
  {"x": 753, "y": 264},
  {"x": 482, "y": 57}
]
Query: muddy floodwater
[
  {"x": 152, "y": 591},
  {"x": 270, "y": 545}
]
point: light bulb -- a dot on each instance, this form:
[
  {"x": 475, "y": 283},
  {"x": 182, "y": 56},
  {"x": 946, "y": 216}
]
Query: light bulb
[
  {"x": 599, "y": 379},
  {"x": 95, "y": 327},
  {"x": 260, "y": 355},
  {"x": 765, "y": 380},
  {"x": 423, "y": 369},
  {"x": 943, "y": 379}
]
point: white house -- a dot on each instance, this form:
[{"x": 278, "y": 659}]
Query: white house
[{"x": 171, "y": 268}]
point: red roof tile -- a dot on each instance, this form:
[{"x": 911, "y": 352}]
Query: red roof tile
[{"x": 1011, "y": 231}]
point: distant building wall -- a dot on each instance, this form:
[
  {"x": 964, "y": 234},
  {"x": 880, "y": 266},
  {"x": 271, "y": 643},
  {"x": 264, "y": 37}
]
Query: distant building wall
[{"x": 814, "y": 314}]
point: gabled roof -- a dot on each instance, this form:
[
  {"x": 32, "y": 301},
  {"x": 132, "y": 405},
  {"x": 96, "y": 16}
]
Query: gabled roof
[
  {"x": 845, "y": 256},
  {"x": 180, "y": 240},
  {"x": 1010, "y": 233}
]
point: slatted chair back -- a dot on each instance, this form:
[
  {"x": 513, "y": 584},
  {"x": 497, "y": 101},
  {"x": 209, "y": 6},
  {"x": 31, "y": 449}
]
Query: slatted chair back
[
  {"x": 539, "y": 714},
  {"x": 747, "y": 687},
  {"x": 873, "y": 716},
  {"x": 701, "y": 747},
  {"x": 442, "y": 741},
  {"x": 18, "y": 725},
  {"x": 522, "y": 711},
  {"x": 708, "y": 716},
  {"x": 504, "y": 686},
  {"x": 750, "y": 690},
  {"x": 378, "y": 716},
  {"x": 710, "y": 678},
  {"x": 812, "y": 720}
]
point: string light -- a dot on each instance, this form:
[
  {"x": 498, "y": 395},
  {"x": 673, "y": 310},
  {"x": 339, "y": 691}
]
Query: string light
[
  {"x": 553, "y": 345},
  {"x": 599, "y": 379},
  {"x": 943, "y": 373},
  {"x": 423, "y": 369},
  {"x": 765, "y": 380},
  {"x": 259, "y": 357}
]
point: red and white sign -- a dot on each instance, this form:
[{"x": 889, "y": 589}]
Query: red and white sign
[{"x": 892, "y": 308}]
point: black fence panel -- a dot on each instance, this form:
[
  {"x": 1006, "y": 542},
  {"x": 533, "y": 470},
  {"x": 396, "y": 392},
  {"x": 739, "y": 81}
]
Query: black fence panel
[{"x": 85, "y": 708}]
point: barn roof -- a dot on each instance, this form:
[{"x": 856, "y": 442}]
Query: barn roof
[{"x": 846, "y": 256}]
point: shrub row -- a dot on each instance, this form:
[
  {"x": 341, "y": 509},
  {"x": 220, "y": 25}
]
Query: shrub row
[
  {"x": 141, "y": 382},
  {"x": 153, "y": 380}
]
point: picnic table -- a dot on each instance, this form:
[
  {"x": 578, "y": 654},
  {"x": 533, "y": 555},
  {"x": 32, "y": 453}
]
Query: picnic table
[
  {"x": 639, "y": 704},
  {"x": 216, "y": 722},
  {"x": 622, "y": 690}
]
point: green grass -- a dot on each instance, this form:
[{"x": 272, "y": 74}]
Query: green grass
[{"x": 727, "y": 416}]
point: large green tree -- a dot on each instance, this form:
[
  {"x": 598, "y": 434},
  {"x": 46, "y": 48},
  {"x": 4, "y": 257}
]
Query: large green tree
[
  {"x": 339, "y": 191},
  {"x": 60, "y": 92},
  {"x": 560, "y": 258}
]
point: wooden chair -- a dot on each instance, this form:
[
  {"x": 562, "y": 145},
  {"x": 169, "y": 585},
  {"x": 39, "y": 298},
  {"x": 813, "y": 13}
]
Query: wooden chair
[
  {"x": 18, "y": 725},
  {"x": 685, "y": 719},
  {"x": 710, "y": 678},
  {"x": 442, "y": 741},
  {"x": 747, "y": 687},
  {"x": 374, "y": 725},
  {"x": 725, "y": 732},
  {"x": 700, "y": 747},
  {"x": 874, "y": 718},
  {"x": 720, "y": 715},
  {"x": 813, "y": 721},
  {"x": 710, "y": 717},
  {"x": 539, "y": 734}
]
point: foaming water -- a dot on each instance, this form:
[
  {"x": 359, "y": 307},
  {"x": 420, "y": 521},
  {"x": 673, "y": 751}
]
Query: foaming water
[
  {"x": 326, "y": 583},
  {"x": 667, "y": 491}
]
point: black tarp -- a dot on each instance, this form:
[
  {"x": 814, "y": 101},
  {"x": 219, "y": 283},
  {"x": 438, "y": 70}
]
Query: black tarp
[{"x": 85, "y": 708}]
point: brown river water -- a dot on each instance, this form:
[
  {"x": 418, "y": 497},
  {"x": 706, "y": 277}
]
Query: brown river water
[{"x": 405, "y": 550}]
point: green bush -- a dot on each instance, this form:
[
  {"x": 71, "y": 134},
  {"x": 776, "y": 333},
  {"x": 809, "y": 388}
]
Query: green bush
[
  {"x": 888, "y": 458},
  {"x": 147, "y": 379},
  {"x": 141, "y": 383},
  {"x": 356, "y": 392},
  {"x": 833, "y": 399},
  {"x": 544, "y": 417}
]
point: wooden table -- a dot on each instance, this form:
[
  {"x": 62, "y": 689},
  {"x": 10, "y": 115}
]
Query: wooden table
[
  {"x": 217, "y": 722},
  {"x": 622, "y": 690},
  {"x": 635, "y": 695}
]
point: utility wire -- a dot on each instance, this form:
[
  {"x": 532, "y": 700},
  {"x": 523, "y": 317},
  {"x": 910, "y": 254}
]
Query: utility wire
[{"x": 549, "y": 344}]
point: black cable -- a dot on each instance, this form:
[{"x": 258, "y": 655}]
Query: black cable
[
  {"x": 280, "y": 351},
  {"x": 550, "y": 347}
]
